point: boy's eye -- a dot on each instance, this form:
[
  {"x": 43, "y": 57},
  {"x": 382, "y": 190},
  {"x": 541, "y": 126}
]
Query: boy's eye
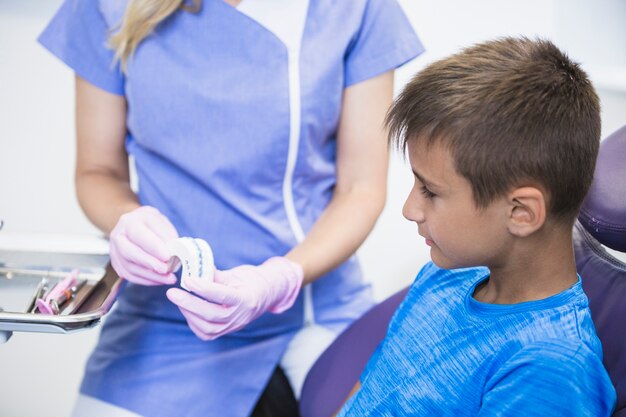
[{"x": 427, "y": 193}]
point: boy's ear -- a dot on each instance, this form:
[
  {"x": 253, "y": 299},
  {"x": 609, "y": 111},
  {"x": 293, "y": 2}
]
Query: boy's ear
[{"x": 527, "y": 210}]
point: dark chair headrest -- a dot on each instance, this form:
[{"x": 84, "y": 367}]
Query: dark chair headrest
[{"x": 603, "y": 213}]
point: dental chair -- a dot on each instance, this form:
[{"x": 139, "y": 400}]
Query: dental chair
[
  {"x": 335, "y": 372},
  {"x": 602, "y": 221}
]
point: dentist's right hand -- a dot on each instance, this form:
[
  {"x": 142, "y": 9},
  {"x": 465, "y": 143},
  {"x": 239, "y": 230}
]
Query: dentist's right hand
[{"x": 137, "y": 247}]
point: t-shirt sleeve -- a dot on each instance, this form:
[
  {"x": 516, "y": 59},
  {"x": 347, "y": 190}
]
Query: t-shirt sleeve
[
  {"x": 385, "y": 41},
  {"x": 550, "y": 379},
  {"x": 78, "y": 35}
]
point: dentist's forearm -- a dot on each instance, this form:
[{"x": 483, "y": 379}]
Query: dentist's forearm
[
  {"x": 104, "y": 198},
  {"x": 339, "y": 232},
  {"x": 102, "y": 174}
]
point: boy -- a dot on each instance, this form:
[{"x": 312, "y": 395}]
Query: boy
[{"x": 502, "y": 139}]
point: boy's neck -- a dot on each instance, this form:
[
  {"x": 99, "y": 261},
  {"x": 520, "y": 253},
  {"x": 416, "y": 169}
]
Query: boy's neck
[{"x": 536, "y": 267}]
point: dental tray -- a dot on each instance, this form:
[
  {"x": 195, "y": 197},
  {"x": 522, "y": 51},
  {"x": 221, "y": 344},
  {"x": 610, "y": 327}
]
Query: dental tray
[{"x": 21, "y": 272}]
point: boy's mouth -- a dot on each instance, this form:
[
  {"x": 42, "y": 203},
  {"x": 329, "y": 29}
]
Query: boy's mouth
[{"x": 429, "y": 242}]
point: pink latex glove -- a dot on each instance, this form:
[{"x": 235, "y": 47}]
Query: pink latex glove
[
  {"x": 238, "y": 296},
  {"x": 137, "y": 247}
]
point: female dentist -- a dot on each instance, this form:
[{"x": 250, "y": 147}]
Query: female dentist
[{"x": 257, "y": 126}]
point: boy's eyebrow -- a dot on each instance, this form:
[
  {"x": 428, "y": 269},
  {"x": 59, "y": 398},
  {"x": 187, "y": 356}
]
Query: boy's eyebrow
[{"x": 423, "y": 180}]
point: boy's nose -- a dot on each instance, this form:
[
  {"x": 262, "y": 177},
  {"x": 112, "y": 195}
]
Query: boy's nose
[{"x": 412, "y": 209}]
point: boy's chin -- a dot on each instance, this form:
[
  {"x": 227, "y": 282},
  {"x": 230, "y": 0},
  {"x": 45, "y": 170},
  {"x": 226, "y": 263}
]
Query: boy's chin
[
  {"x": 445, "y": 263},
  {"x": 441, "y": 262}
]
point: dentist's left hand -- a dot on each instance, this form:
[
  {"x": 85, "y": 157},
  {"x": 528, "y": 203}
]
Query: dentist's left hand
[
  {"x": 138, "y": 247},
  {"x": 238, "y": 296}
]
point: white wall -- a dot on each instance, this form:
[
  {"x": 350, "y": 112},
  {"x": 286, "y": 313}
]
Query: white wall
[{"x": 39, "y": 374}]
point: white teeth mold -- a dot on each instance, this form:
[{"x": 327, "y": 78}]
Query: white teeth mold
[{"x": 195, "y": 256}]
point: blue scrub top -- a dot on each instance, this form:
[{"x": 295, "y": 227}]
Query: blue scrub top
[{"x": 232, "y": 122}]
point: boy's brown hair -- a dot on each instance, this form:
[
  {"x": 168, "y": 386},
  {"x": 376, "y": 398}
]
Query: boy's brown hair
[{"x": 513, "y": 112}]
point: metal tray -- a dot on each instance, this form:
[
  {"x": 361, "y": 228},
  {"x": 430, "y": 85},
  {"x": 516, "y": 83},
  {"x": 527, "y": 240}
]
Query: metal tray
[{"x": 102, "y": 282}]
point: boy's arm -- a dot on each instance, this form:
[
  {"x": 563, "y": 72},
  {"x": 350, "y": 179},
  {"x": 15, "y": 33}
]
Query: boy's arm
[
  {"x": 550, "y": 379},
  {"x": 354, "y": 390}
]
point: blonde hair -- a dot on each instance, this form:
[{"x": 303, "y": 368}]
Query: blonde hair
[{"x": 140, "y": 19}]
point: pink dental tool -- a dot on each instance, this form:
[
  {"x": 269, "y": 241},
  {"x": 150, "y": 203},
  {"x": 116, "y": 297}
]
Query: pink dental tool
[{"x": 60, "y": 293}]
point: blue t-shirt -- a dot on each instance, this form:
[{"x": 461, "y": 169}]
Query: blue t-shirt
[{"x": 446, "y": 354}]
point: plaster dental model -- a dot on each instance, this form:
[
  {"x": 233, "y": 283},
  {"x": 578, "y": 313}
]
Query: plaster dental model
[{"x": 195, "y": 256}]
